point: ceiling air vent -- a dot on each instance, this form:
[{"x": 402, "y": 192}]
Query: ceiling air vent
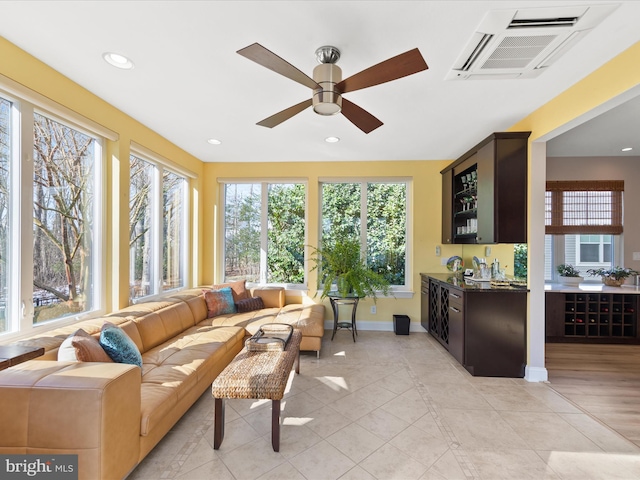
[
  {"x": 522, "y": 43},
  {"x": 543, "y": 22}
]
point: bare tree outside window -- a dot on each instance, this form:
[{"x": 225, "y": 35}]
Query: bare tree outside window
[
  {"x": 173, "y": 187},
  {"x": 63, "y": 196},
  {"x": 242, "y": 213},
  {"x": 140, "y": 207},
  {"x": 5, "y": 151}
]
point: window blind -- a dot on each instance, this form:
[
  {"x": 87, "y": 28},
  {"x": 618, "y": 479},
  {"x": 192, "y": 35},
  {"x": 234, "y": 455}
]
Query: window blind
[{"x": 575, "y": 207}]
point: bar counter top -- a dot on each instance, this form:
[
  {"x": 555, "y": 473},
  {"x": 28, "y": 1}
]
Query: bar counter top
[
  {"x": 467, "y": 284},
  {"x": 587, "y": 287}
]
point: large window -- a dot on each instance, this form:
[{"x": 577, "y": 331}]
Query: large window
[
  {"x": 5, "y": 155},
  {"x": 264, "y": 232},
  {"x": 583, "y": 225},
  {"x": 383, "y": 235},
  {"x": 157, "y": 233},
  {"x": 50, "y": 218},
  {"x": 63, "y": 219}
]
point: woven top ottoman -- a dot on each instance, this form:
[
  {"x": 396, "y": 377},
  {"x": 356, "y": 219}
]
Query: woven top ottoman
[{"x": 259, "y": 375}]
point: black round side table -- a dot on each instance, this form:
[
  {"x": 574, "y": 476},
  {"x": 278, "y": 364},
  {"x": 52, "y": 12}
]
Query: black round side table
[{"x": 337, "y": 300}]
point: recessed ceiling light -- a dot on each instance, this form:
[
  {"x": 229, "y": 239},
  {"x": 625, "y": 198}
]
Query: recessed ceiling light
[
  {"x": 214, "y": 141},
  {"x": 117, "y": 60},
  {"x": 332, "y": 139},
  {"x": 627, "y": 149}
]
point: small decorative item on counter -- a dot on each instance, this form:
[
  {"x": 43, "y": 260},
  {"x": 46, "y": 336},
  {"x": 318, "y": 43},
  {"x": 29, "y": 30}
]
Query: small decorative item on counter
[
  {"x": 569, "y": 275},
  {"x": 454, "y": 264},
  {"x": 612, "y": 277}
]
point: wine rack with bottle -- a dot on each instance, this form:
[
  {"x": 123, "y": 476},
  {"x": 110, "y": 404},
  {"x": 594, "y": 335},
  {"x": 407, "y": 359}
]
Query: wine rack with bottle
[{"x": 592, "y": 316}]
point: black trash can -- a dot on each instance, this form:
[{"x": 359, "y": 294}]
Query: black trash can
[{"x": 401, "y": 324}]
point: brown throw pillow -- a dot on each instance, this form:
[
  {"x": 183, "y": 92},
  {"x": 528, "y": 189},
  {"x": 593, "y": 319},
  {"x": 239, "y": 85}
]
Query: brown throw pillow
[
  {"x": 82, "y": 347},
  {"x": 250, "y": 304}
]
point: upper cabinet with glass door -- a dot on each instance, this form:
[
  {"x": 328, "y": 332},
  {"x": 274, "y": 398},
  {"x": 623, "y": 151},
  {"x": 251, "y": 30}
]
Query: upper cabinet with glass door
[{"x": 484, "y": 192}]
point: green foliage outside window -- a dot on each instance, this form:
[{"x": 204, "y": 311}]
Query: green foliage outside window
[{"x": 520, "y": 260}]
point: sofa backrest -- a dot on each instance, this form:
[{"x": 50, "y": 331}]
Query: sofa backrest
[
  {"x": 272, "y": 297},
  {"x": 156, "y": 326}
]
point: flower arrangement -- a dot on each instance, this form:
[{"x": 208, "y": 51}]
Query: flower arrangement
[
  {"x": 613, "y": 275},
  {"x": 567, "y": 270}
]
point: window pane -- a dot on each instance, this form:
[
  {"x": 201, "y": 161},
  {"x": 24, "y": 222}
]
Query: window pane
[
  {"x": 386, "y": 230},
  {"x": 173, "y": 187},
  {"x": 589, "y": 252},
  {"x": 242, "y": 232},
  {"x": 5, "y": 151},
  {"x": 63, "y": 199},
  {"x": 340, "y": 211},
  {"x": 140, "y": 227},
  {"x": 285, "y": 234}
]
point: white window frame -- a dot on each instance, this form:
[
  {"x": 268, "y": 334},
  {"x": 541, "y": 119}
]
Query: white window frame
[
  {"x": 161, "y": 165},
  {"x": 558, "y": 256},
  {"x": 264, "y": 221},
  {"x": 600, "y": 250},
  {"x": 20, "y": 308},
  {"x": 397, "y": 291}
]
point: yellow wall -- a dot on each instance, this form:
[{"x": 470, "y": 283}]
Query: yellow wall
[
  {"x": 612, "y": 79},
  {"x": 424, "y": 202},
  {"x": 26, "y": 70}
]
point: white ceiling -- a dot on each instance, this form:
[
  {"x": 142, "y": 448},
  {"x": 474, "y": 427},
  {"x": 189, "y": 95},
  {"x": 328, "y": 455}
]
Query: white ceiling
[{"x": 189, "y": 85}]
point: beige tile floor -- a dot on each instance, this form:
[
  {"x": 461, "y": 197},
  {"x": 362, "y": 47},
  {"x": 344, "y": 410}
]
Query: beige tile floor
[{"x": 395, "y": 407}]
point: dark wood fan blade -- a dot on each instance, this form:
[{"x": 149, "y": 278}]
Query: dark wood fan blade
[
  {"x": 359, "y": 117},
  {"x": 266, "y": 58},
  {"x": 280, "y": 117},
  {"x": 399, "y": 66}
]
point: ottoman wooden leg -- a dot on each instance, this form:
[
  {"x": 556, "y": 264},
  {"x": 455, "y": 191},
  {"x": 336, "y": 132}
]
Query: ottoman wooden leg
[
  {"x": 275, "y": 425},
  {"x": 218, "y": 423}
]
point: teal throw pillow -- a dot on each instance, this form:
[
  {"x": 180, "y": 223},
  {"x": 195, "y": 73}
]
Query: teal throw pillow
[
  {"x": 219, "y": 302},
  {"x": 119, "y": 346}
]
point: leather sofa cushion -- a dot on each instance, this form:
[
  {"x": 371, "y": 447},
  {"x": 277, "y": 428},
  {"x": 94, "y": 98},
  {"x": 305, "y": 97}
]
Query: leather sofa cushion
[
  {"x": 308, "y": 318},
  {"x": 163, "y": 324},
  {"x": 273, "y": 297},
  {"x": 171, "y": 369}
]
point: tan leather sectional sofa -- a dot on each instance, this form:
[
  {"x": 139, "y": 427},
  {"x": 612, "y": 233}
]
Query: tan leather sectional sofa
[{"x": 112, "y": 414}]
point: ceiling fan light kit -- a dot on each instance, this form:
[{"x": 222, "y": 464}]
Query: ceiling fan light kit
[{"x": 328, "y": 86}]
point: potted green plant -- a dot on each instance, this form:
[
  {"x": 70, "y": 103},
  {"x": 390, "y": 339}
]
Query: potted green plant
[
  {"x": 569, "y": 275},
  {"x": 342, "y": 270},
  {"x": 612, "y": 277}
]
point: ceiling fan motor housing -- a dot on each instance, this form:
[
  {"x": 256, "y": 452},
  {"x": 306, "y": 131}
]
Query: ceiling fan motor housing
[{"x": 327, "y": 100}]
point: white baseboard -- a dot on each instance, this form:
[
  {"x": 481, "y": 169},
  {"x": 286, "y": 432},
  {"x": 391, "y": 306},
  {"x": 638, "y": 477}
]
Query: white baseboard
[
  {"x": 368, "y": 325},
  {"x": 536, "y": 374}
]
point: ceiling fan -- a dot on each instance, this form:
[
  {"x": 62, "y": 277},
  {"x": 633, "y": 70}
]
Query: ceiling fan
[{"x": 328, "y": 86}]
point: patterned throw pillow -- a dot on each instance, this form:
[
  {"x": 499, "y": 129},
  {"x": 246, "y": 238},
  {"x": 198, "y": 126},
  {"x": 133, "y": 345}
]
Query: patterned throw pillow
[
  {"x": 219, "y": 302},
  {"x": 118, "y": 345},
  {"x": 82, "y": 347},
  {"x": 238, "y": 289},
  {"x": 250, "y": 304}
]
